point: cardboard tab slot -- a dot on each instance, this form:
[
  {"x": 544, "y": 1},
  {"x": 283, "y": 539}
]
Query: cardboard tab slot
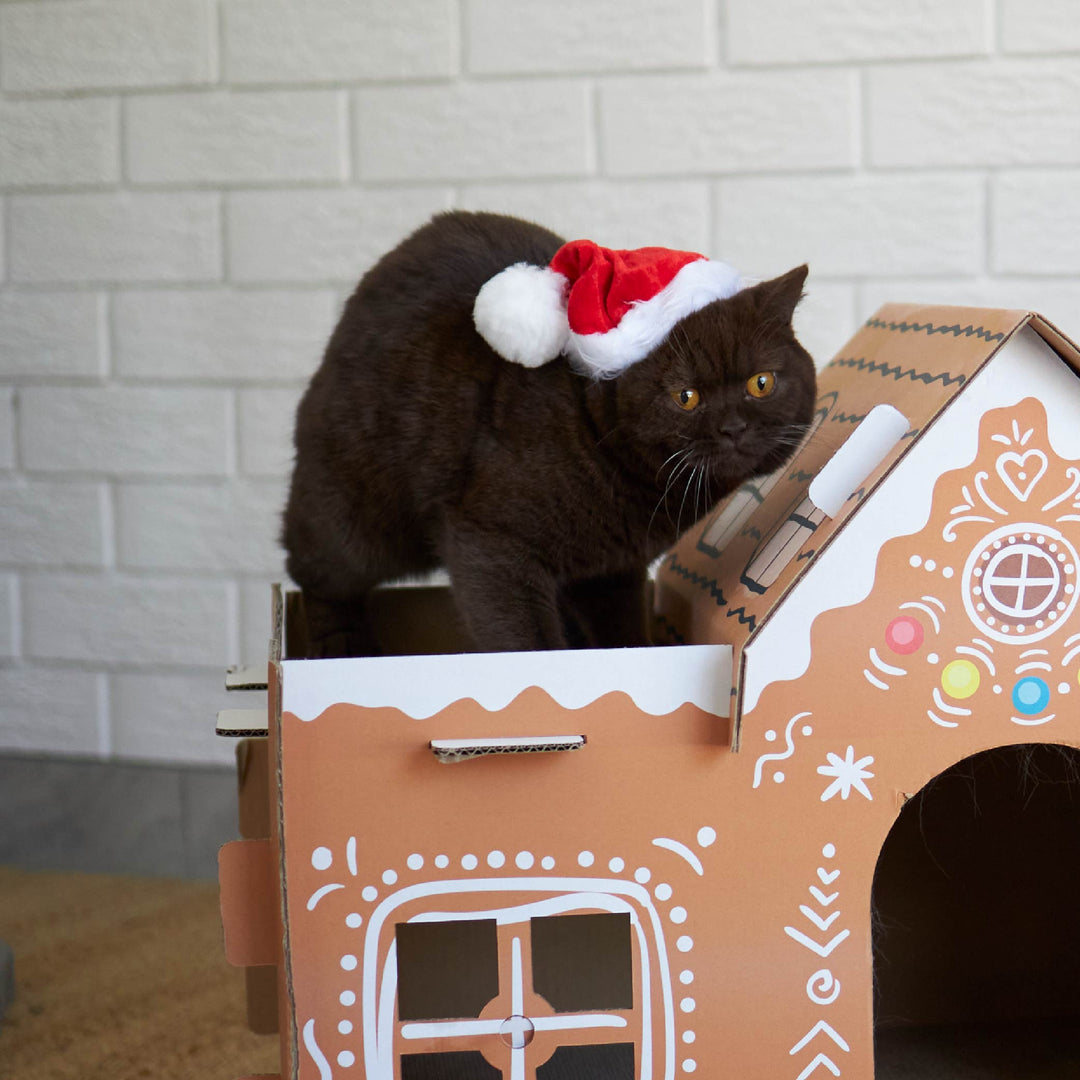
[
  {"x": 450, "y": 751},
  {"x": 245, "y": 678},
  {"x": 242, "y": 723}
]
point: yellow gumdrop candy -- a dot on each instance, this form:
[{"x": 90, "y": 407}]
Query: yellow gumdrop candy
[{"x": 960, "y": 679}]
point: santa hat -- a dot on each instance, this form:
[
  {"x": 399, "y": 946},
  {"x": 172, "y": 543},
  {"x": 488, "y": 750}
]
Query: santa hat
[{"x": 605, "y": 309}]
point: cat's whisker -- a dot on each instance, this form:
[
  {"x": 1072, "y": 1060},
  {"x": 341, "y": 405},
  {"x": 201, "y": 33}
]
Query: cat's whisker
[
  {"x": 677, "y": 469},
  {"x": 681, "y": 450},
  {"x": 686, "y": 491}
]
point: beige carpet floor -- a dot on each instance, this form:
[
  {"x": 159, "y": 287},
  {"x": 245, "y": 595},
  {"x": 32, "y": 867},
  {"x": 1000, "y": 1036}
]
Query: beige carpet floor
[{"x": 120, "y": 979}]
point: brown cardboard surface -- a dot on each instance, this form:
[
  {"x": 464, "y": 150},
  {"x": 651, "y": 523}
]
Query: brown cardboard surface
[
  {"x": 253, "y": 788},
  {"x": 247, "y": 874},
  {"x": 747, "y": 878}
]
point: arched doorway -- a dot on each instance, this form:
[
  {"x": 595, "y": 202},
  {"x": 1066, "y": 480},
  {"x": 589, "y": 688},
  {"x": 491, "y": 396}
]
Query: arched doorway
[{"x": 977, "y": 922}]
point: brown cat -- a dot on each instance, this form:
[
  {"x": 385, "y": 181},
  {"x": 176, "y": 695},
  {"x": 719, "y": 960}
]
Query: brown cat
[{"x": 545, "y": 493}]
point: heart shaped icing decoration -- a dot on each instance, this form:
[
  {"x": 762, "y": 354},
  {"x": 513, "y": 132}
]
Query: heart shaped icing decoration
[{"x": 1021, "y": 472}]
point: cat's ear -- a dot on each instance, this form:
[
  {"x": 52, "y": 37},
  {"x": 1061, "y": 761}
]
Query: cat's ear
[{"x": 781, "y": 294}]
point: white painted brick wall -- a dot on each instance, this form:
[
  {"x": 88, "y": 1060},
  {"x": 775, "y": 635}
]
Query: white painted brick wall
[
  {"x": 511, "y": 37},
  {"x": 190, "y": 188},
  {"x": 56, "y": 142},
  {"x": 164, "y": 715},
  {"x": 265, "y": 430},
  {"x": 221, "y": 335},
  {"x": 7, "y": 428},
  {"x": 847, "y": 226},
  {"x": 125, "y": 430},
  {"x": 52, "y": 333},
  {"x": 321, "y": 235},
  {"x": 112, "y": 620},
  {"x": 317, "y": 41},
  {"x": 723, "y": 123},
  {"x": 93, "y": 44},
  {"x": 1039, "y": 26},
  {"x": 126, "y": 236},
  {"x": 522, "y": 128},
  {"x": 51, "y": 710},
  {"x": 968, "y": 113},
  {"x": 9, "y": 631},
  {"x": 627, "y": 213},
  {"x": 1035, "y": 222},
  {"x": 229, "y": 138},
  {"x": 39, "y": 516},
  {"x": 783, "y": 32},
  {"x": 223, "y": 527}
]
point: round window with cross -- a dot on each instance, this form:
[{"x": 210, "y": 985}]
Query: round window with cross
[
  {"x": 1020, "y": 582},
  {"x": 569, "y": 983}
]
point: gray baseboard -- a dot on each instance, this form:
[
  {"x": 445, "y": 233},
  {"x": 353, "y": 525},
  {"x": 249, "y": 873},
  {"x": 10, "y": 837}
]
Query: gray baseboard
[{"x": 115, "y": 817}]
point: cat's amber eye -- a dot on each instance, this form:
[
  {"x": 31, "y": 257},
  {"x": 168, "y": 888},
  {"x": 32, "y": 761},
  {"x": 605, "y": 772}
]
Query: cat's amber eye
[
  {"x": 761, "y": 385},
  {"x": 687, "y": 399}
]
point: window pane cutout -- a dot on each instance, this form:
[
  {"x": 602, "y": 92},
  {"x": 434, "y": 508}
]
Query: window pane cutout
[
  {"x": 453, "y": 1065},
  {"x": 604, "y": 1061},
  {"x": 446, "y": 969},
  {"x": 580, "y": 962},
  {"x": 583, "y": 962}
]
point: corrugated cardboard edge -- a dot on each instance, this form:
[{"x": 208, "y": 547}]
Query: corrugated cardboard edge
[
  {"x": 1063, "y": 346},
  {"x": 894, "y": 313},
  {"x": 287, "y": 1031}
]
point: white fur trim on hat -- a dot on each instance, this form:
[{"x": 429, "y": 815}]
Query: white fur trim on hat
[
  {"x": 649, "y": 322},
  {"x": 521, "y": 314}
]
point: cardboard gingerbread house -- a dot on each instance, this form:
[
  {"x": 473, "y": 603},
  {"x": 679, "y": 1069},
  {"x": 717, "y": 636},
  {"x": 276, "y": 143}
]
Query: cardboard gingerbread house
[{"x": 640, "y": 864}]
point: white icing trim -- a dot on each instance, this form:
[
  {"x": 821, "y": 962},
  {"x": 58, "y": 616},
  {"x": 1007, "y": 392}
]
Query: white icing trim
[
  {"x": 843, "y": 574},
  {"x": 650, "y": 321},
  {"x": 658, "y": 679}
]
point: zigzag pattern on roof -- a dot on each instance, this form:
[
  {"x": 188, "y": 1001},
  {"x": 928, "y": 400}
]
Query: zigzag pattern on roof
[
  {"x": 671, "y": 632},
  {"x": 898, "y": 372},
  {"x": 743, "y": 617},
  {"x": 929, "y": 328},
  {"x": 712, "y": 587}
]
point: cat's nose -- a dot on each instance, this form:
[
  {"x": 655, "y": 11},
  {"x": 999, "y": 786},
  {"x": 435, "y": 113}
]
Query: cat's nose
[{"x": 732, "y": 428}]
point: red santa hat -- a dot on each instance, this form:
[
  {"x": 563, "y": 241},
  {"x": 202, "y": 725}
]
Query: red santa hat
[{"x": 605, "y": 309}]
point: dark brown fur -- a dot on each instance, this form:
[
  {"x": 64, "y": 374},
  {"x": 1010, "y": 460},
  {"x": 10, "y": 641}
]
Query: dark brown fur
[{"x": 544, "y": 493}]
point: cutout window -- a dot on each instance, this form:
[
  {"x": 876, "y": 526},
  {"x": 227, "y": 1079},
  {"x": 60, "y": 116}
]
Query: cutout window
[
  {"x": 604, "y": 1061},
  {"x": 446, "y": 970},
  {"x": 455, "y": 1065},
  {"x": 583, "y": 963}
]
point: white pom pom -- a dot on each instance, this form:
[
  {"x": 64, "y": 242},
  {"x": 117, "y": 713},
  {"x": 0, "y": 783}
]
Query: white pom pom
[{"x": 521, "y": 314}]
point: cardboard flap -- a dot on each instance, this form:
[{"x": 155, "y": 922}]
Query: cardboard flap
[
  {"x": 451, "y": 751},
  {"x": 249, "y": 906}
]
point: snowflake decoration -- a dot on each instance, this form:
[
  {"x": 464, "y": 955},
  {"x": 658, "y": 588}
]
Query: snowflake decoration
[{"x": 848, "y": 774}]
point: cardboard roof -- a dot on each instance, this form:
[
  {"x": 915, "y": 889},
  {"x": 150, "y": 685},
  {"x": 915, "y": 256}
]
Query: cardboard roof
[{"x": 746, "y": 558}]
